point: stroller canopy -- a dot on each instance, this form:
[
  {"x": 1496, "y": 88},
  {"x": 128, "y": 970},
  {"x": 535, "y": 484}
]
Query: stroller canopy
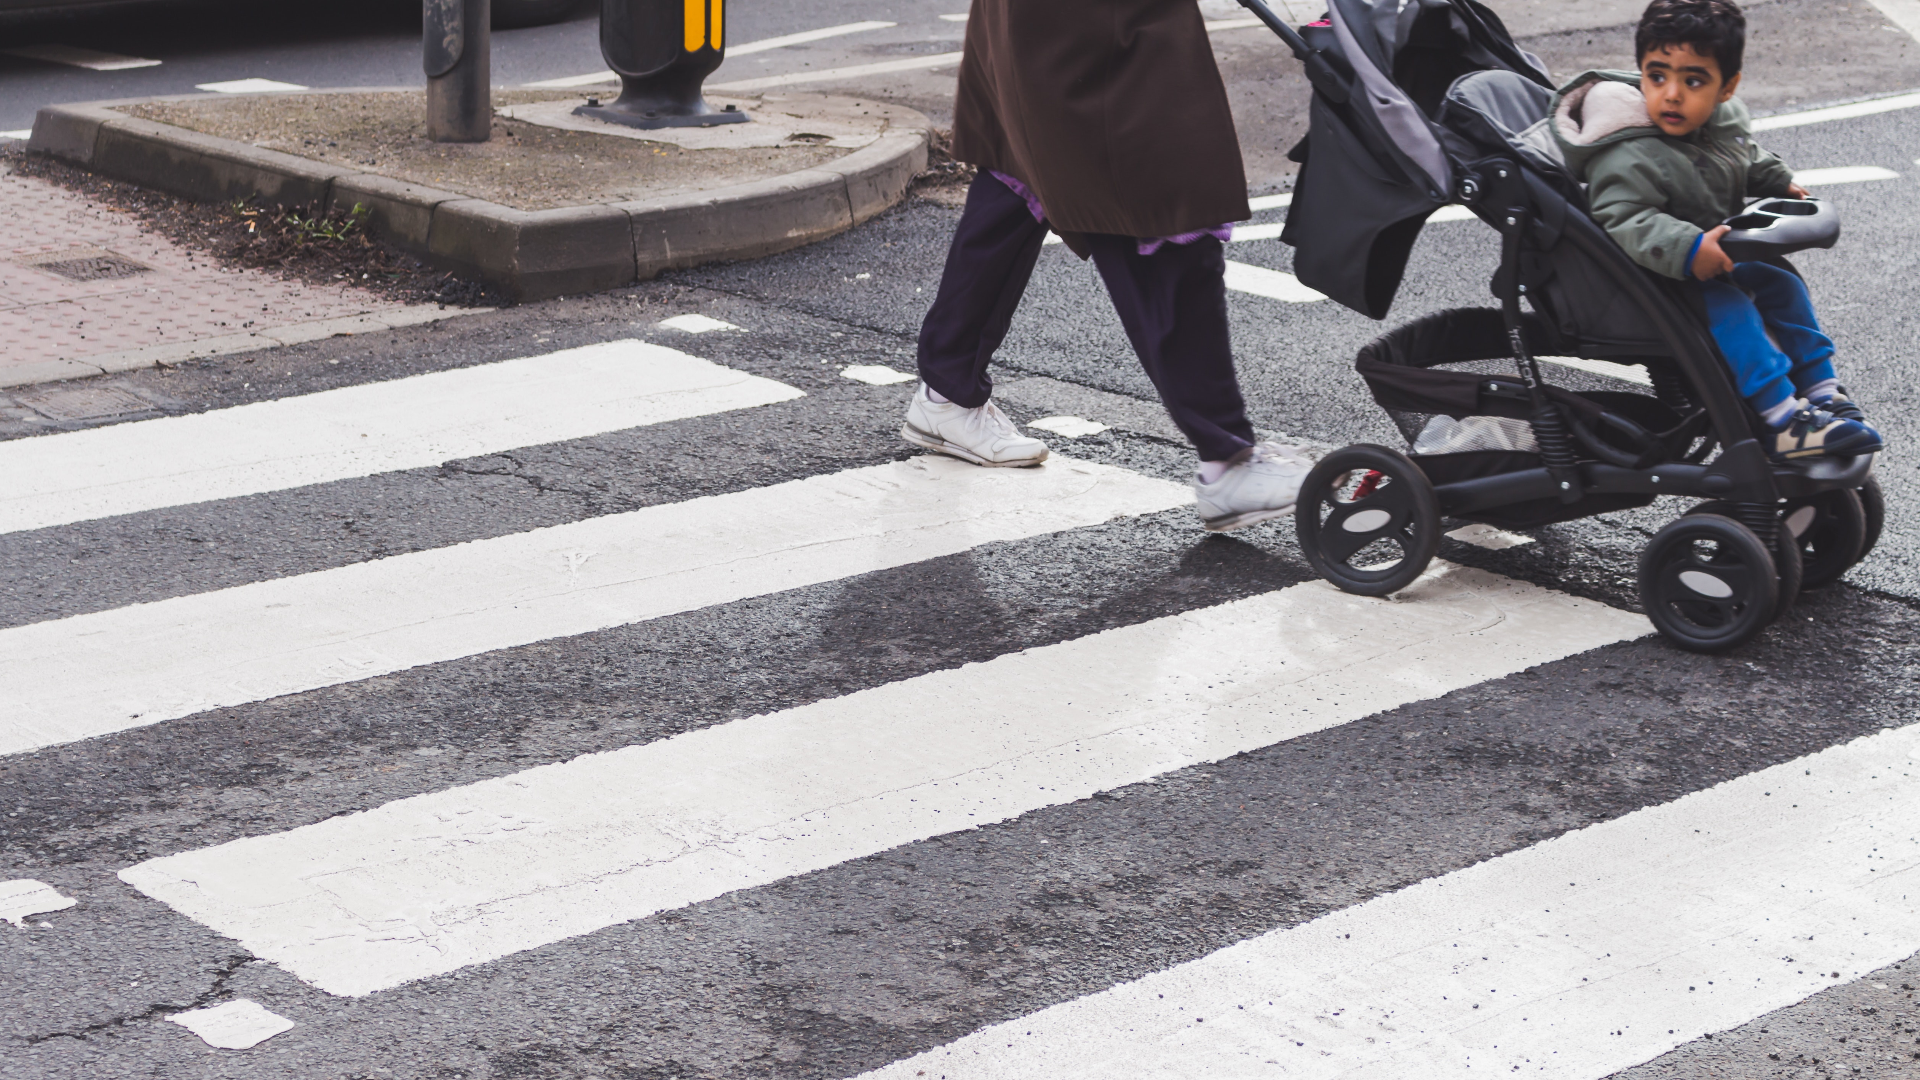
[{"x": 1376, "y": 162}]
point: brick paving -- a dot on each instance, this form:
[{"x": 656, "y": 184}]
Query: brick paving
[{"x": 50, "y": 324}]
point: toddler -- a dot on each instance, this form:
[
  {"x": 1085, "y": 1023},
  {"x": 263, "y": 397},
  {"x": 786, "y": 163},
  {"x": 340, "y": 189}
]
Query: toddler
[{"x": 1667, "y": 154}]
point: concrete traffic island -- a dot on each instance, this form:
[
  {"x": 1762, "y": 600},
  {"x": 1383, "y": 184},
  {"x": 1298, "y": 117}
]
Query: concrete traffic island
[{"x": 555, "y": 203}]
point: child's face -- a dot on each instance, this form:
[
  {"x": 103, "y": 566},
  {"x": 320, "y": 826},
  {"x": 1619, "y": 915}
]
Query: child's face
[{"x": 1682, "y": 87}]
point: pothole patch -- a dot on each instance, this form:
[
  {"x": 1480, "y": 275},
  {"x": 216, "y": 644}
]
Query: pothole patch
[{"x": 85, "y": 264}]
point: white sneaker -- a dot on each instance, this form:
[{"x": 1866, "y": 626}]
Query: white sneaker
[
  {"x": 1264, "y": 486},
  {"x": 983, "y": 436}
]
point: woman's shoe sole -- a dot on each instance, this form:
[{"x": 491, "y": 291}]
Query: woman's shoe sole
[
  {"x": 940, "y": 446},
  {"x": 1241, "y": 521}
]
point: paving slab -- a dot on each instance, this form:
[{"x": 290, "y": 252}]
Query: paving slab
[{"x": 85, "y": 289}]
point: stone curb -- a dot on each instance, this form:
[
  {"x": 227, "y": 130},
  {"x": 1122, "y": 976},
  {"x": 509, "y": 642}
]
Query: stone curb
[{"x": 528, "y": 254}]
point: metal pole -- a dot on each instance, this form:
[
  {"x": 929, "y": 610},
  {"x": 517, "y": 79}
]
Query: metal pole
[{"x": 456, "y": 52}]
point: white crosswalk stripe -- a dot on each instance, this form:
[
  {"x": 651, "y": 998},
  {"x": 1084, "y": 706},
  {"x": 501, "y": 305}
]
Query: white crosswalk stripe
[
  {"x": 102, "y": 672},
  {"x": 432, "y": 884},
  {"x": 362, "y": 430},
  {"x": 1574, "y": 957}
]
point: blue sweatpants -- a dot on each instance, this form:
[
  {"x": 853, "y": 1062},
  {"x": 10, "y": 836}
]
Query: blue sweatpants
[{"x": 1761, "y": 297}]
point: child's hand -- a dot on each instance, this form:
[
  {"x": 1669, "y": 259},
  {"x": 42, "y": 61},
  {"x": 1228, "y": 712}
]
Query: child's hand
[
  {"x": 1710, "y": 262},
  {"x": 1799, "y": 192}
]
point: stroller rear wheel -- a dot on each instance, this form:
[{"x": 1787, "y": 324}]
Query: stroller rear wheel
[
  {"x": 1875, "y": 504},
  {"x": 1368, "y": 520},
  {"x": 1708, "y": 583},
  {"x": 1830, "y": 529}
]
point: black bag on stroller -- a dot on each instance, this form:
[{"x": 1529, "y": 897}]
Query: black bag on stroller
[{"x": 1421, "y": 103}]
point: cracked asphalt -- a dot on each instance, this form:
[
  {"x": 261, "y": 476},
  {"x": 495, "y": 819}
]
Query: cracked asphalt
[{"x": 837, "y": 971}]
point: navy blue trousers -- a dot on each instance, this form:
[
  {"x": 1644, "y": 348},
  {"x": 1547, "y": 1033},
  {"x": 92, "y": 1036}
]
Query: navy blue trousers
[
  {"x": 1760, "y": 298},
  {"x": 1172, "y": 303}
]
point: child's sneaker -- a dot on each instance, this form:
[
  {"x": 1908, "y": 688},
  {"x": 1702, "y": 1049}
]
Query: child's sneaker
[
  {"x": 983, "y": 436},
  {"x": 1842, "y": 406},
  {"x": 1264, "y": 486},
  {"x": 1813, "y": 433}
]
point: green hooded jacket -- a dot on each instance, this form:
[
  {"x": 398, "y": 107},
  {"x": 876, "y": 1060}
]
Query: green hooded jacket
[{"x": 1653, "y": 193}]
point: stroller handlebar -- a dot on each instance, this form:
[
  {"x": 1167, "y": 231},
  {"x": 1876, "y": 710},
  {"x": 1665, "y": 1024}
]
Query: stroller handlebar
[
  {"x": 1301, "y": 50},
  {"x": 1325, "y": 78}
]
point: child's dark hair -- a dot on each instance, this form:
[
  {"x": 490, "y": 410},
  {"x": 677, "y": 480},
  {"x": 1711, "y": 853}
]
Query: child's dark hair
[{"x": 1714, "y": 28}]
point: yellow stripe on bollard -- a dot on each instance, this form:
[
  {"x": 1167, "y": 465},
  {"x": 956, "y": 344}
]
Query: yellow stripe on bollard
[
  {"x": 696, "y": 24},
  {"x": 718, "y": 37}
]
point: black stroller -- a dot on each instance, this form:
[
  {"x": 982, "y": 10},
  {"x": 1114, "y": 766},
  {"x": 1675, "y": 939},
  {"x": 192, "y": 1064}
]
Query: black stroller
[{"x": 1421, "y": 103}]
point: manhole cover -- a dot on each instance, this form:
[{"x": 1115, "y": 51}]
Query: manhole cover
[
  {"x": 85, "y": 264},
  {"x": 91, "y": 403}
]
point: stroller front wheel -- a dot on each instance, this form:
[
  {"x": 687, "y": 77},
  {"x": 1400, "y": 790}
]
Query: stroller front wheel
[
  {"x": 1708, "y": 583},
  {"x": 1368, "y": 520}
]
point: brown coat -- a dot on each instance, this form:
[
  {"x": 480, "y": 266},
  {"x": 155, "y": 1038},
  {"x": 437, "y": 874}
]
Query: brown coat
[{"x": 1112, "y": 111}]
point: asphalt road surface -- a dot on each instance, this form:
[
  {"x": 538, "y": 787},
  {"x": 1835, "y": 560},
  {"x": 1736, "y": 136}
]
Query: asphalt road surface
[{"x": 691, "y": 725}]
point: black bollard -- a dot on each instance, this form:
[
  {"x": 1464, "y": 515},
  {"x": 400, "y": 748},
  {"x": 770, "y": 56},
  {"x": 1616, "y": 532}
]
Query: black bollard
[
  {"x": 456, "y": 51},
  {"x": 662, "y": 50}
]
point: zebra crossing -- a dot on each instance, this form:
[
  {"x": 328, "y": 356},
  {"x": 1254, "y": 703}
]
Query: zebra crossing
[{"x": 1207, "y": 675}]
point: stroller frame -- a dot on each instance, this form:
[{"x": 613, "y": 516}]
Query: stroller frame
[{"x": 1710, "y": 580}]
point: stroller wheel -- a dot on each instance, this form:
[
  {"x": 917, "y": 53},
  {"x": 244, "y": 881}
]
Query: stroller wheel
[
  {"x": 1708, "y": 583},
  {"x": 1368, "y": 520},
  {"x": 1832, "y": 530},
  {"x": 1875, "y": 505},
  {"x": 1828, "y": 529}
]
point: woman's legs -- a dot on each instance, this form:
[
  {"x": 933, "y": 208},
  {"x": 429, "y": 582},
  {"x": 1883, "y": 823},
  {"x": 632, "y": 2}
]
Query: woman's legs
[
  {"x": 1173, "y": 304},
  {"x": 994, "y": 249}
]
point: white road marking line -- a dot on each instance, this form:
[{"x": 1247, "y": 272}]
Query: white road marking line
[
  {"x": 362, "y": 430},
  {"x": 876, "y": 374},
  {"x": 1837, "y": 112},
  {"x": 1575, "y": 958},
  {"x": 696, "y": 324},
  {"x": 237, "y": 1025},
  {"x": 1266, "y": 231},
  {"x": 1072, "y": 427},
  {"x": 1273, "y": 284},
  {"x": 74, "y": 56},
  {"x": 94, "y": 674},
  {"x": 426, "y": 885},
  {"x": 1231, "y": 24},
  {"x": 23, "y": 134},
  {"x": 1845, "y": 174},
  {"x": 962, "y": 17},
  {"x": 747, "y": 49},
  {"x": 1271, "y": 230},
  {"x": 1632, "y": 373},
  {"x": 1486, "y": 536},
  {"x": 1904, "y": 14},
  {"x": 248, "y": 86},
  {"x": 805, "y": 36},
  {"x": 24, "y": 897},
  {"x": 886, "y": 67}
]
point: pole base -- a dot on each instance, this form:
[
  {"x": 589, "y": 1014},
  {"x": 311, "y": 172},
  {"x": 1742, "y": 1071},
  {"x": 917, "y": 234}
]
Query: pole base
[{"x": 647, "y": 121}]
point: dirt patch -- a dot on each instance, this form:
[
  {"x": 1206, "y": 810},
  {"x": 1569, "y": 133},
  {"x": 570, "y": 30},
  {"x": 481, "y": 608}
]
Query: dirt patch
[
  {"x": 525, "y": 166},
  {"x": 945, "y": 180},
  {"x": 290, "y": 242}
]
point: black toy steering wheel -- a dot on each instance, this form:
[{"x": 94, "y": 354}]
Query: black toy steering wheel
[{"x": 1780, "y": 227}]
